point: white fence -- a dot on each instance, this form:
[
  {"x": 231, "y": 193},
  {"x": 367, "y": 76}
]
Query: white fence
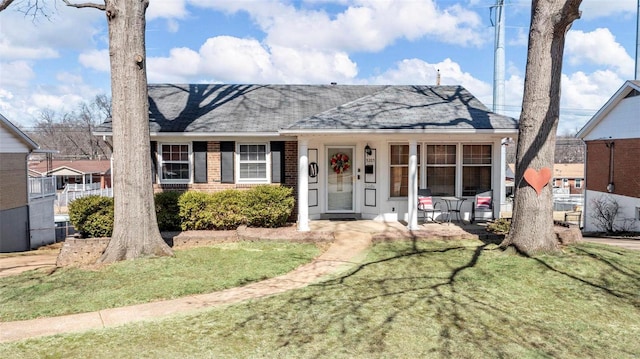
[
  {"x": 40, "y": 187},
  {"x": 63, "y": 199},
  {"x": 567, "y": 202},
  {"x": 76, "y": 187}
]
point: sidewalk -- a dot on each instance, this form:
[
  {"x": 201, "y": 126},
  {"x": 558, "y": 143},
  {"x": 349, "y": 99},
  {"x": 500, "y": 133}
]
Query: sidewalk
[{"x": 628, "y": 243}]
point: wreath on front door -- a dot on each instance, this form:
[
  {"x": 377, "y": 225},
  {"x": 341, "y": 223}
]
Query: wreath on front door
[{"x": 340, "y": 163}]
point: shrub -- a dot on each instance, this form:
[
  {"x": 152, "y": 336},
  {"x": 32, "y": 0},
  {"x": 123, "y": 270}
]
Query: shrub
[
  {"x": 269, "y": 206},
  {"x": 195, "y": 211},
  {"x": 500, "y": 226},
  {"x": 228, "y": 209},
  {"x": 168, "y": 211},
  {"x": 92, "y": 216}
]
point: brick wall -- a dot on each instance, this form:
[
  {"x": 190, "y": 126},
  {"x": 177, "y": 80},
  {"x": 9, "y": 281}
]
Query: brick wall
[
  {"x": 625, "y": 166},
  {"x": 13, "y": 180},
  {"x": 214, "y": 175}
]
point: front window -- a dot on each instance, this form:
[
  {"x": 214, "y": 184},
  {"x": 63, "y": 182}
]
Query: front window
[
  {"x": 476, "y": 169},
  {"x": 252, "y": 163},
  {"x": 578, "y": 183},
  {"x": 175, "y": 163},
  {"x": 441, "y": 169},
  {"x": 399, "y": 170}
]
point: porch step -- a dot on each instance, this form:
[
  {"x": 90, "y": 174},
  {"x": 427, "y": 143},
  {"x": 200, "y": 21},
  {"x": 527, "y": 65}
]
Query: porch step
[{"x": 341, "y": 216}]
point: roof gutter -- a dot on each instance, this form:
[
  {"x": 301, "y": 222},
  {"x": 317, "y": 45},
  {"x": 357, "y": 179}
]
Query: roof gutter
[{"x": 429, "y": 131}]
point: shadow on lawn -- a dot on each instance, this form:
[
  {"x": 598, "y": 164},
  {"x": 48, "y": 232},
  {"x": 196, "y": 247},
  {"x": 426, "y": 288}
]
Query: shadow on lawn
[{"x": 451, "y": 308}]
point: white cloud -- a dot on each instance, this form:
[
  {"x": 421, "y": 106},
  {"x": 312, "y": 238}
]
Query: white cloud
[
  {"x": 181, "y": 66},
  {"x": 96, "y": 59},
  {"x": 312, "y": 66},
  {"x": 20, "y": 74},
  {"x": 419, "y": 72},
  {"x": 66, "y": 28},
  {"x": 9, "y": 51},
  {"x": 371, "y": 25},
  {"x": 598, "y": 47},
  {"x": 592, "y": 9},
  {"x": 168, "y": 9},
  {"x": 230, "y": 59}
]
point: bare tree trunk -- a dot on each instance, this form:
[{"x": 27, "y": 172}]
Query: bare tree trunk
[
  {"x": 135, "y": 231},
  {"x": 532, "y": 224}
]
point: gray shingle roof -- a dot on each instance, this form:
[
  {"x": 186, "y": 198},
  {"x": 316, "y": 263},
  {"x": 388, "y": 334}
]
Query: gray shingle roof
[
  {"x": 270, "y": 108},
  {"x": 410, "y": 107}
]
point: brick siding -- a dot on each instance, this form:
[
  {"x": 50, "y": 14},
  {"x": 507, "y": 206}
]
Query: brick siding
[
  {"x": 214, "y": 174},
  {"x": 13, "y": 180},
  {"x": 625, "y": 166}
]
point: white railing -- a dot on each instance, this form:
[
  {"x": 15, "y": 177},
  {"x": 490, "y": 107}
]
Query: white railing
[
  {"x": 79, "y": 187},
  {"x": 567, "y": 202},
  {"x": 40, "y": 187},
  {"x": 64, "y": 198}
]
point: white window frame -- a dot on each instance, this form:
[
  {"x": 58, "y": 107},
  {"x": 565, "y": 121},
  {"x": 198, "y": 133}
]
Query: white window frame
[
  {"x": 463, "y": 165},
  {"x": 267, "y": 162},
  {"x": 578, "y": 182},
  {"x": 565, "y": 182},
  {"x": 390, "y": 166},
  {"x": 161, "y": 162},
  {"x": 423, "y": 166},
  {"x": 426, "y": 166}
]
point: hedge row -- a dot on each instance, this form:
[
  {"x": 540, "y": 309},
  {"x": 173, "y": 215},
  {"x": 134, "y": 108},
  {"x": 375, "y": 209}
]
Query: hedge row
[{"x": 261, "y": 206}]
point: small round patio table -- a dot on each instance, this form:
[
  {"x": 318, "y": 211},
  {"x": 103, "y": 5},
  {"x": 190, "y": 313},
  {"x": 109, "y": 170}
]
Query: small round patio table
[{"x": 454, "y": 205}]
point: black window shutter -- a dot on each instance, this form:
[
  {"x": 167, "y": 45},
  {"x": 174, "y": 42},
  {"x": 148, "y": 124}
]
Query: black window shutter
[
  {"x": 277, "y": 161},
  {"x": 227, "y": 149},
  {"x": 200, "y": 162},
  {"x": 154, "y": 161}
]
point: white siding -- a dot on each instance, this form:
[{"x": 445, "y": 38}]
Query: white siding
[
  {"x": 623, "y": 121},
  {"x": 10, "y": 143},
  {"x": 627, "y": 213}
]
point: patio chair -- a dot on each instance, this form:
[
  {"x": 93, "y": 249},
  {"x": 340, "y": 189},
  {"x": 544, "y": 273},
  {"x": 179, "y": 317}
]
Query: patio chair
[
  {"x": 426, "y": 204},
  {"x": 482, "y": 204}
]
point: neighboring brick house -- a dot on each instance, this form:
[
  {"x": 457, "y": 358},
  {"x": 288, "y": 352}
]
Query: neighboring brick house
[
  {"x": 612, "y": 138},
  {"x": 569, "y": 176},
  {"x": 347, "y": 150},
  {"x": 80, "y": 174},
  {"x": 26, "y": 209}
]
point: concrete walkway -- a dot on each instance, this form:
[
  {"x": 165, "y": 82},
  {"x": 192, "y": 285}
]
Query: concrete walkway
[
  {"x": 347, "y": 249},
  {"x": 627, "y": 243}
]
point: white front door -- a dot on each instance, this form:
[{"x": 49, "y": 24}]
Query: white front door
[{"x": 340, "y": 181}]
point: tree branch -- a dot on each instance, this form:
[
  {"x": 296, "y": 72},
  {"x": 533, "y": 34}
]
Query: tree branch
[
  {"x": 86, "y": 4},
  {"x": 4, "y": 4}
]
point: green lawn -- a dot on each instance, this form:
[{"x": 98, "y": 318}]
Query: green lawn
[
  {"x": 192, "y": 271},
  {"x": 454, "y": 299}
]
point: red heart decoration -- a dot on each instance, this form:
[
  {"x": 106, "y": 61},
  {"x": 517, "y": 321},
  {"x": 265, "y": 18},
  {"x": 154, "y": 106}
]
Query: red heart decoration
[{"x": 537, "y": 179}]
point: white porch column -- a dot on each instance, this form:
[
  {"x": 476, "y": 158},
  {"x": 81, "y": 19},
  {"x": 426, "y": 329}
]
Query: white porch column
[
  {"x": 503, "y": 175},
  {"x": 303, "y": 185},
  {"x": 412, "y": 199}
]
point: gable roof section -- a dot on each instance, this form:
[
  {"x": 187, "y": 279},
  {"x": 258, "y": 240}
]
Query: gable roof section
[
  {"x": 270, "y": 109},
  {"x": 624, "y": 91},
  {"x": 17, "y": 133},
  {"x": 409, "y": 108},
  {"x": 77, "y": 167}
]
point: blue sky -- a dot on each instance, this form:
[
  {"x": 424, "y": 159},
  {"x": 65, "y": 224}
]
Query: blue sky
[{"x": 58, "y": 63}]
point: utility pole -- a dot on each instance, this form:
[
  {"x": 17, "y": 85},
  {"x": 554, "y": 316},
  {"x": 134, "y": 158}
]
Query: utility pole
[
  {"x": 498, "y": 87},
  {"x": 637, "y": 74}
]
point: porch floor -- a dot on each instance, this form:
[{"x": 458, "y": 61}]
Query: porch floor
[{"x": 398, "y": 230}]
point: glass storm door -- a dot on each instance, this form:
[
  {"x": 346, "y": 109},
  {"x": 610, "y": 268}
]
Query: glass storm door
[{"x": 340, "y": 181}]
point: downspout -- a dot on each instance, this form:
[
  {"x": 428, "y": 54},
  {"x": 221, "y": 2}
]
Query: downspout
[{"x": 610, "y": 185}]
